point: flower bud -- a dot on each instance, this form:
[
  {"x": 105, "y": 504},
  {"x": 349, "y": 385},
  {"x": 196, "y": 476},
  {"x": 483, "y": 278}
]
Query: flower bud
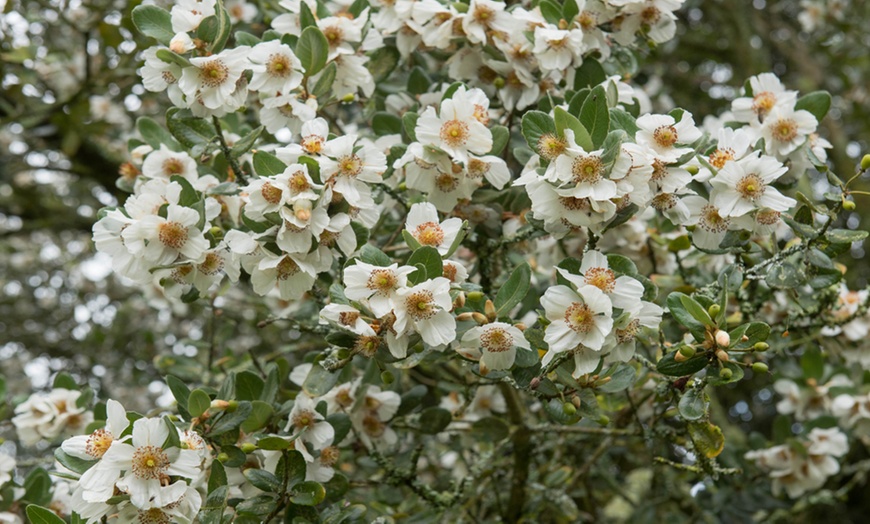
[
  {"x": 465, "y": 317},
  {"x": 387, "y": 377},
  {"x": 848, "y": 205},
  {"x": 722, "y": 339},
  {"x": 480, "y": 318},
  {"x": 679, "y": 357},
  {"x": 693, "y": 170},
  {"x": 181, "y": 43},
  {"x": 343, "y": 353},
  {"x": 714, "y": 310},
  {"x": 219, "y": 404},
  {"x": 865, "y": 162},
  {"x": 687, "y": 351},
  {"x": 761, "y": 346},
  {"x": 475, "y": 295},
  {"x": 520, "y": 326},
  {"x": 759, "y": 367},
  {"x": 576, "y": 401},
  {"x": 223, "y": 457},
  {"x": 348, "y": 98},
  {"x": 722, "y": 355},
  {"x": 725, "y": 374},
  {"x": 489, "y": 309},
  {"x": 232, "y": 405},
  {"x": 569, "y": 409},
  {"x": 534, "y": 383},
  {"x": 460, "y": 300},
  {"x": 247, "y": 447},
  {"x": 498, "y": 82},
  {"x": 603, "y": 420}
]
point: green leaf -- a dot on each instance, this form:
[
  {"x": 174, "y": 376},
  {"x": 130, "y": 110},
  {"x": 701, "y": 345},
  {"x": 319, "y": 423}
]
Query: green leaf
[
  {"x": 37, "y": 487},
  {"x": 374, "y": 256},
  {"x": 179, "y": 390},
  {"x": 430, "y": 259},
  {"x": 384, "y": 123},
  {"x": 263, "y": 480},
  {"x": 231, "y": 421},
  {"x": 154, "y": 134},
  {"x": 246, "y": 143},
  {"x": 785, "y": 275},
  {"x": 213, "y": 509},
  {"x": 64, "y": 381},
  {"x": 552, "y": 13},
  {"x": 708, "y": 438},
  {"x": 324, "y": 83},
  {"x": 418, "y": 81},
  {"x": 154, "y": 22},
  {"x": 818, "y": 103},
  {"x": 308, "y": 493},
  {"x": 261, "y": 412},
  {"x": 668, "y": 366},
  {"x": 590, "y": 73},
  {"x": 621, "y": 379},
  {"x": 555, "y": 410},
  {"x": 189, "y": 130},
  {"x": 681, "y": 315},
  {"x": 813, "y": 363},
  {"x": 198, "y": 402},
  {"x": 535, "y": 125},
  {"x": 249, "y": 385},
  {"x": 514, "y": 290},
  {"x": 411, "y": 399},
  {"x": 258, "y": 506},
  {"x": 693, "y": 405},
  {"x": 620, "y": 119},
  {"x": 433, "y": 420},
  {"x": 267, "y": 164},
  {"x": 72, "y": 463},
  {"x": 312, "y": 50},
  {"x": 217, "y": 477},
  {"x": 565, "y": 121},
  {"x": 172, "y": 438},
  {"x": 490, "y": 429},
  {"x": 189, "y": 196},
  {"x": 306, "y": 17},
  {"x": 39, "y": 515},
  {"x": 382, "y": 62},
  {"x": 409, "y": 122},
  {"x": 845, "y": 236},
  {"x": 293, "y": 465},
  {"x": 245, "y": 38},
  {"x": 274, "y": 443},
  {"x": 340, "y": 423},
  {"x": 319, "y": 381},
  {"x": 500, "y": 138},
  {"x": 595, "y": 116},
  {"x": 696, "y": 310}
]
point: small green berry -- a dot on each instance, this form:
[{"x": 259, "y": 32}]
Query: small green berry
[{"x": 759, "y": 367}]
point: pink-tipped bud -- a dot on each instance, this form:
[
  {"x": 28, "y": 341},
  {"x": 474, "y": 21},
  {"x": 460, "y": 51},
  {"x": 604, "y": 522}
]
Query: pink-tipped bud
[{"x": 723, "y": 339}]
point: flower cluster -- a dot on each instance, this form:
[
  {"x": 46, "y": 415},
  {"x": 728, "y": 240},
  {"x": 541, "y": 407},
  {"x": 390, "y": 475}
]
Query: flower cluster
[
  {"x": 807, "y": 465},
  {"x": 50, "y": 415}
]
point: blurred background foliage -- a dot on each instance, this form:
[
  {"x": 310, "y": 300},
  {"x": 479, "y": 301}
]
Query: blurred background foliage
[{"x": 69, "y": 96}]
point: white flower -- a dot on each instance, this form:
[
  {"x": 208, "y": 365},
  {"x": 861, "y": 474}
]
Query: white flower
[
  {"x": 425, "y": 308},
  {"x": 456, "y": 129},
  {"x": 348, "y": 165},
  {"x": 287, "y": 110},
  {"x": 48, "y": 415},
  {"x": 165, "y": 163},
  {"x": 308, "y": 423},
  {"x": 185, "y": 505},
  {"x": 342, "y": 31},
  {"x": 482, "y": 16},
  {"x": 785, "y": 129},
  {"x": 663, "y": 134},
  {"x": 371, "y": 416},
  {"x": 768, "y": 92},
  {"x": 624, "y": 292},
  {"x": 496, "y": 343},
  {"x": 95, "y": 445},
  {"x": 710, "y": 226},
  {"x": 211, "y": 80},
  {"x": 276, "y": 68},
  {"x": 627, "y": 326},
  {"x": 556, "y": 48},
  {"x": 159, "y": 76},
  {"x": 241, "y": 11},
  {"x": 144, "y": 466},
  {"x": 292, "y": 274},
  {"x": 7, "y": 468},
  {"x": 744, "y": 186},
  {"x": 376, "y": 284},
  {"x": 423, "y": 224},
  {"x": 161, "y": 240},
  {"x": 187, "y": 14},
  {"x": 352, "y": 75},
  {"x": 583, "y": 172},
  {"x": 490, "y": 167},
  {"x": 577, "y": 318},
  {"x": 347, "y": 317},
  {"x": 561, "y": 213}
]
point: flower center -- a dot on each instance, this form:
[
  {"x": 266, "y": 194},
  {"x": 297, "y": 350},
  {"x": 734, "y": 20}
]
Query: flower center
[
  {"x": 767, "y": 217},
  {"x": 304, "y": 419},
  {"x": 279, "y": 65},
  {"x": 150, "y": 462},
  {"x": 271, "y": 194},
  {"x": 172, "y": 234},
  {"x": 587, "y": 20},
  {"x": 312, "y": 144},
  {"x": 343, "y": 398},
  {"x": 334, "y": 35},
  {"x": 383, "y": 281},
  {"x": 449, "y": 272},
  {"x": 152, "y": 516},
  {"x": 482, "y": 14},
  {"x": 574, "y": 204},
  {"x": 650, "y": 15},
  {"x": 212, "y": 264},
  {"x": 287, "y": 268},
  {"x": 350, "y": 165},
  {"x": 664, "y": 201},
  {"x": 481, "y": 114},
  {"x": 348, "y": 318},
  {"x": 299, "y": 183},
  {"x": 660, "y": 170},
  {"x": 98, "y": 443},
  {"x": 750, "y": 187},
  {"x": 628, "y": 333},
  {"x": 419, "y": 305},
  {"x": 367, "y": 346},
  {"x": 587, "y": 169},
  {"x": 173, "y": 166},
  {"x": 430, "y": 234},
  {"x": 446, "y": 183},
  {"x": 329, "y": 455},
  {"x": 551, "y": 146},
  {"x": 665, "y": 136},
  {"x": 712, "y": 221},
  {"x": 179, "y": 274},
  {"x": 373, "y": 426},
  {"x": 477, "y": 168},
  {"x": 454, "y": 133},
  {"x": 579, "y": 318},
  {"x": 763, "y": 102},
  {"x": 602, "y": 278},
  {"x": 784, "y": 130},
  {"x": 720, "y": 157},
  {"x": 192, "y": 440},
  {"x": 213, "y": 73},
  {"x": 496, "y": 340}
]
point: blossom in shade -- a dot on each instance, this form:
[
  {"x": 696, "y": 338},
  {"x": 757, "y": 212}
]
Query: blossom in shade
[
  {"x": 423, "y": 224},
  {"x": 495, "y": 343}
]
